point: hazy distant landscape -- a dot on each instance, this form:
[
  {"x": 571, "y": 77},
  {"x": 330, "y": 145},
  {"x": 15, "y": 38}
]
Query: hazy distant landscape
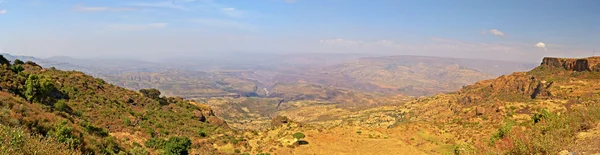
[{"x": 299, "y": 77}]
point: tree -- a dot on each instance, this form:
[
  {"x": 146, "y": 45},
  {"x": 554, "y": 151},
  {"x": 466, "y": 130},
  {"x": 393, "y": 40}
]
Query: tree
[
  {"x": 151, "y": 93},
  {"x": 18, "y": 62},
  {"x": 298, "y": 135},
  {"x": 177, "y": 146},
  {"x": 4, "y": 60},
  {"x": 38, "y": 90},
  {"x": 17, "y": 68},
  {"x": 31, "y": 87}
]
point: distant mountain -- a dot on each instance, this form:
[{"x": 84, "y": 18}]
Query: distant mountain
[
  {"x": 46, "y": 62},
  {"x": 410, "y": 75},
  {"x": 252, "y": 73}
]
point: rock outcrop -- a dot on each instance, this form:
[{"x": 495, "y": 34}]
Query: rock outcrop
[{"x": 573, "y": 64}]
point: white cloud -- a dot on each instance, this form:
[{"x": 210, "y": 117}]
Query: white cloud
[
  {"x": 165, "y": 4},
  {"x": 541, "y": 45},
  {"x": 218, "y": 23},
  {"x": 232, "y": 12},
  {"x": 3, "y": 11},
  {"x": 98, "y": 9},
  {"x": 134, "y": 27},
  {"x": 497, "y": 32}
]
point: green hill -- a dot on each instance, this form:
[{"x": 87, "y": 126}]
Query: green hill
[{"x": 68, "y": 109}]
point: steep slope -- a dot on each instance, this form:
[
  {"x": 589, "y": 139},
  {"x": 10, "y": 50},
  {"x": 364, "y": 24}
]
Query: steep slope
[{"x": 89, "y": 115}]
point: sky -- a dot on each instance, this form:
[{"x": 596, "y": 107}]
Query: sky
[{"x": 514, "y": 30}]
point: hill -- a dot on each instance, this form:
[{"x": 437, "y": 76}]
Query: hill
[{"x": 69, "y": 111}]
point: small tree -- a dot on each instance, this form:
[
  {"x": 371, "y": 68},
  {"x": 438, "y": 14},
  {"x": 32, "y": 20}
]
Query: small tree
[
  {"x": 177, "y": 146},
  {"x": 17, "y": 68},
  {"x": 37, "y": 89},
  {"x": 18, "y": 62},
  {"x": 31, "y": 87},
  {"x": 298, "y": 135},
  {"x": 151, "y": 93}
]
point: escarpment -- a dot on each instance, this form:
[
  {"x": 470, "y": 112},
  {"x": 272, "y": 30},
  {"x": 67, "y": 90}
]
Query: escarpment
[
  {"x": 573, "y": 64},
  {"x": 535, "y": 84}
]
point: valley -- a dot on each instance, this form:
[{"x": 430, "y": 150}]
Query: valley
[{"x": 517, "y": 113}]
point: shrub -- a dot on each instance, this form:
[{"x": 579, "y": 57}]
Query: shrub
[
  {"x": 540, "y": 116},
  {"x": 18, "y": 62},
  {"x": 177, "y": 146},
  {"x": 127, "y": 121},
  {"x": 17, "y": 68},
  {"x": 173, "y": 146},
  {"x": 202, "y": 133},
  {"x": 94, "y": 130},
  {"x": 139, "y": 151},
  {"x": 64, "y": 134},
  {"x": 155, "y": 143},
  {"x": 61, "y": 105},
  {"x": 503, "y": 131},
  {"x": 151, "y": 93},
  {"x": 298, "y": 135}
]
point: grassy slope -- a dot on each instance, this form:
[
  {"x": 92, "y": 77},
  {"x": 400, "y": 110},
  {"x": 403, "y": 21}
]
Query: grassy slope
[{"x": 104, "y": 118}]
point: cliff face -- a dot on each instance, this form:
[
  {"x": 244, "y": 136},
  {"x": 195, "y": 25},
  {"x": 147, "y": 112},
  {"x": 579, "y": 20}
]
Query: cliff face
[{"x": 583, "y": 64}]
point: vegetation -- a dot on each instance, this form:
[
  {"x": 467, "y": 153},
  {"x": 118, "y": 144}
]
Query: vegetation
[
  {"x": 18, "y": 62},
  {"x": 67, "y": 112},
  {"x": 16, "y": 141},
  {"x": 4, "y": 61},
  {"x": 502, "y": 132},
  {"x": 172, "y": 146},
  {"x": 298, "y": 135},
  {"x": 551, "y": 131},
  {"x": 71, "y": 111}
]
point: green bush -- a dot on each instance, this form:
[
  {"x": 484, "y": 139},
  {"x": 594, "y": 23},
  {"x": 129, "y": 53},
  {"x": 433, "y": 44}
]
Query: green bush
[
  {"x": 127, "y": 121},
  {"x": 17, "y": 68},
  {"x": 202, "y": 133},
  {"x": 151, "y": 93},
  {"x": 503, "y": 131},
  {"x": 18, "y": 62},
  {"x": 155, "y": 143},
  {"x": 177, "y": 146},
  {"x": 94, "y": 130},
  {"x": 64, "y": 134},
  {"x": 172, "y": 146},
  {"x": 299, "y": 135},
  {"x": 139, "y": 151},
  {"x": 61, "y": 105}
]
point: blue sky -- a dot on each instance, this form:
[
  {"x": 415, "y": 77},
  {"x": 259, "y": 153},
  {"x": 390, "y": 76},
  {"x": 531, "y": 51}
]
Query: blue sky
[{"x": 506, "y": 30}]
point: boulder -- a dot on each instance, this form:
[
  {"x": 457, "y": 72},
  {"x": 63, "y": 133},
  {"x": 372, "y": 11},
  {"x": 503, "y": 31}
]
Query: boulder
[{"x": 479, "y": 111}]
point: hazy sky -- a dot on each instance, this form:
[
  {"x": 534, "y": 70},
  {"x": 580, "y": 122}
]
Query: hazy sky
[{"x": 523, "y": 30}]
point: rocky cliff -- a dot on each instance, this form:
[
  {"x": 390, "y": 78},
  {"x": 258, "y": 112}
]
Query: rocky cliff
[{"x": 574, "y": 64}]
